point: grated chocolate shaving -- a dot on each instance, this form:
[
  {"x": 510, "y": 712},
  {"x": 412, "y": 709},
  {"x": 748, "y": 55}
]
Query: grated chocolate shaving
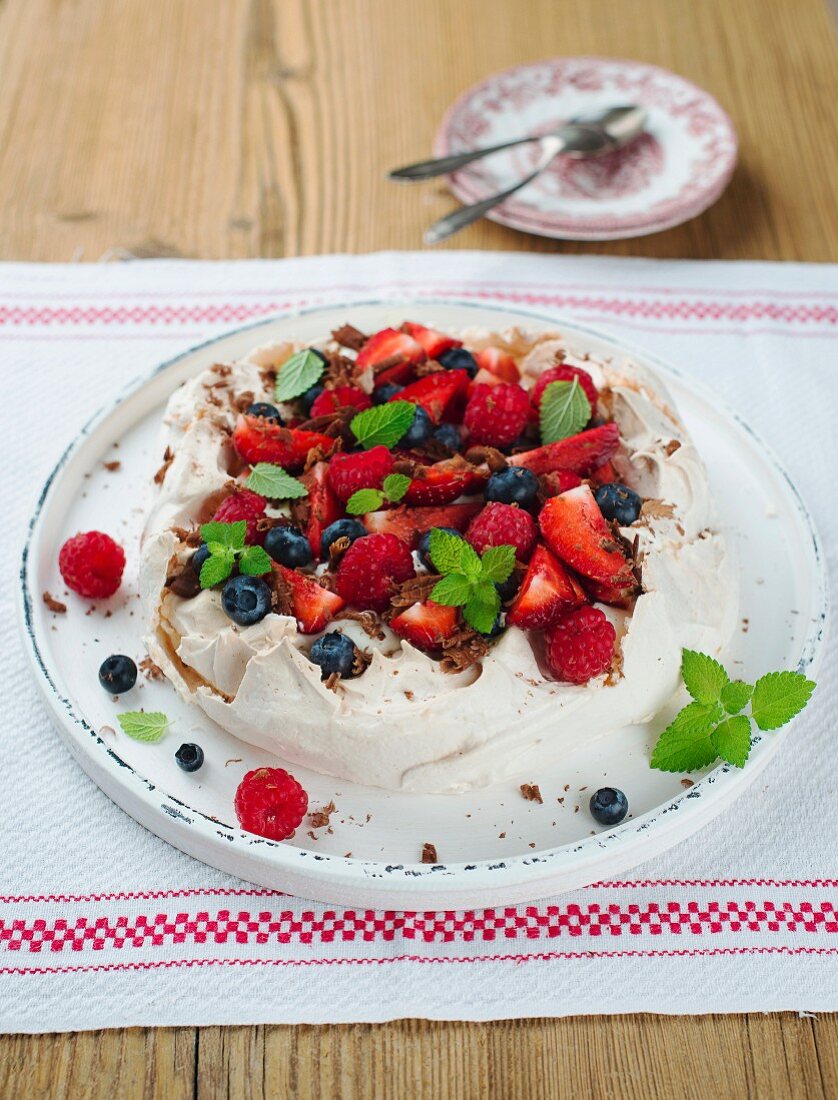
[
  {"x": 349, "y": 337},
  {"x": 221, "y": 369},
  {"x": 168, "y": 459},
  {"x": 332, "y": 681},
  {"x": 320, "y": 818},
  {"x": 463, "y": 649},
  {"x": 367, "y": 620},
  {"x": 476, "y": 456},
  {"x": 241, "y": 402},
  {"x": 657, "y": 509},
  {"x": 340, "y": 370},
  {"x": 429, "y": 853},
  {"x": 282, "y": 596},
  {"x": 55, "y": 606},
  {"x": 430, "y": 366},
  {"x": 531, "y": 792},
  {"x": 113, "y": 466},
  {"x": 150, "y": 670},
  {"x": 338, "y": 548},
  {"x": 416, "y": 590},
  {"x": 687, "y": 783},
  {"x": 672, "y": 446}
]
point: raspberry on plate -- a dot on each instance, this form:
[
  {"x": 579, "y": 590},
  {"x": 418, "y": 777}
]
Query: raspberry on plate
[
  {"x": 563, "y": 372},
  {"x": 581, "y": 645},
  {"x": 370, "y": 569},
  {"x": 270, "y": 803},
  {"x": 91, "y": 564},
  {"x": 365, "y": 470},
  {"x": 496, "y": 415},
  {"x": 242, "y": 504},
  {"x": 503, "y": 525}
]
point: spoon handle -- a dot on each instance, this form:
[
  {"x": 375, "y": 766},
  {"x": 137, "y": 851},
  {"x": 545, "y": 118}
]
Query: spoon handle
[{"x": 440, "y": 166}]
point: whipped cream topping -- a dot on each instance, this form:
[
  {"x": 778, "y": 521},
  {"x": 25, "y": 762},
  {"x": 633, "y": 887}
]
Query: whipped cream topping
[{"x": 405, "y": 724}]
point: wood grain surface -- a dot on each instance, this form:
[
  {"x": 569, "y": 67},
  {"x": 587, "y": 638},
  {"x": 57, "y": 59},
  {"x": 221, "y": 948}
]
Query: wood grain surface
[{"x": 238, "y": 128}]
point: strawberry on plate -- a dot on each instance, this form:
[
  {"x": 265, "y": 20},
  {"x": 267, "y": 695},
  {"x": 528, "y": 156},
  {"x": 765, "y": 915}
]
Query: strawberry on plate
[
  {"x": 320, "y": 508},
  {"x": 314, "y": 606},
  {"x": 259, "y": 440},
  {"x": 580, "y": 454},
  {"x": 610, "y": 594},
  {"x": 425, "y": 625},
  {"x": 409, "y": 524},
  {"x": 546, "y": 592},
  {"x": 575, "y": 530},
  {"x": 558, "y": 481},
  {"x": 363, "y": 470},
  {"x": 435, "y": 392},
  {"x": 389, "y": 344},
  {"x": 443, "y": 482},
  {"x": 499, "y": 363},
  {"x": 339, "y": 397},
  {"x": 434, "y": 343}
]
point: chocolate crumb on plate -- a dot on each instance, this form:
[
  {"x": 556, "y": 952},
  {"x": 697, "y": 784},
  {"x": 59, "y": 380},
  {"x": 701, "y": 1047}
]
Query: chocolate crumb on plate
[
  {"x": 319, "y": 818},
  {"x": 55, "y": 606},
  {"x": 150, "y": 670},
  {"x": 113, "y": 466},
  {"x": 233, "y": 760},
  {"x": 531, "y": 792},
  {"x": 429, "y": 853},
  {"x": 686, "y": 783}
]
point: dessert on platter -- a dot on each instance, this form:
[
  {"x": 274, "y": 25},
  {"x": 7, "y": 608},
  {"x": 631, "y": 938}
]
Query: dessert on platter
[{"x": 429, "y": 561}]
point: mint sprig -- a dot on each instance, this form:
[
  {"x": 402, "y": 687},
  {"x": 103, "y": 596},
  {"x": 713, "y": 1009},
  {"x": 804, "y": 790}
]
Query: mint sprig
[
  {"x": 564, "y": 411},
  {"x": 298, "y": 374},
  {"x": 713, "y": 725},
  {"x": 392, "y": 489},
  {"x": 383, "y": 425},
  {"x": 271, "y": 481},
  {"x": 468, "y": 580},
  {"x": 225, "y": 542},
  {"x": 146, "y": 726}
]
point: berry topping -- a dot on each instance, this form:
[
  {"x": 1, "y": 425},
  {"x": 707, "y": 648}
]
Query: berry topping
[
  {"x": 350, "y": 529},
  {"x": 618, "y": 502},
  {"x": 576, "y": 532},
  {"x": 547, "y": 592},
  {"x": 419, "y": 431},
  {"x": 242, "y": 504},
  {"x": 442, "y": 482},
  {"x": 288, "y": 546},
  {"x": 313, "y": 606},
  {"x": 514, "y": 485},
  {"x": 580, "y": 454},
  {"x": 503, "y": 525},
  {"x": 449, "y": 436},
  {"x": 580, "y": 645},
  {"x": 364, "y": 470},
  {"x": 340, "y": 397},
  {"x": 434, "y": 343},
  {"x": 424, "y": 546},
  {"x": 408, "y": 524},
  {"x": 425, "y": 625},
  {"x": 557, "y": 481},
  {"x": 117, "y": 674},
  {"x": 189, "y": 756},
  {"x": 563, "y": 372},
  {"x": 199, "y": 557},
  {"x": 371, "y": 568},
  {"x": 496, "y": 415},
  {"x": 271, "y": 803},
  {"x": 91, "y": 564},
  {"x": 266, "y": 411},
  {"x": 258, "y": 440},
  {"x": 435, "y": 392},
  {"x": 458, "y": 359},
  {"x": 386, "y": 345},
  {"x": 499, "y": 363},
  {"x": 608, "y": 806},
  {"x": 310, "y": 396},
  {"x": 246, "y": 599},
  {"x": 386, "y": 393},
  {"x": 334, "y": 653},
  {"x": 320, "y": 508}
]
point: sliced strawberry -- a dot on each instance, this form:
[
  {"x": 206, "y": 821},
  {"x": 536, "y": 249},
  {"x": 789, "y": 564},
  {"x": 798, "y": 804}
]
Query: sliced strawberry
[
  {"x": 484, "y": 378},
  {"x": 425, "y": 625},
  {"x": 434, "y": 392},
  {"x": 434, "y": 343},
  {"x": 606, "y": 593},
  {"x": 558, "y": 481},
  {"x": 340, "y": 397},
  {"x": 581, "y": 454},
  {"x": 442, "y": 483},
  {"x": 260, "y": 440},
  {"x": 605, "y": 474},
  {"x": 314, "y": 607},
  {"x": 321, "y": 507},
  {"x": 546, "y": 592},
  {"x": 576, "y": 532},
  {"x": 363, "y": 470},
  {"x": 409, "y": 524},
  {"x": 499, "y": 363},
  {"x": 390, "y": 344}
]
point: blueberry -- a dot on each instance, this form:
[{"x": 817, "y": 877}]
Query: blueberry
[
  {"x": 383, "y": 394},
  {"x": 199, "y": 557},
  {"x": 117, "y": 674},
  {"x": 458, "y": 359},
  {"x": 190, "y": 757},
  {"x": 608, "y": 806},
  {"x": 424, "y": 546},
  {"x": 618, "y": 502},
  {"x": 246, "y": 599},
  {"x": 334, "y": 652},
  {"x": 310, "y": 396},
  {"x": 288, "y": 546},
  {"x": 419, "y": 431},
  {"x": 266, "y": 412},
  {"x": 514, "y": 485},
  {"x": 342, "y": 528},
  {"x": 448, "y": 436},
  {"x": 508, "y": 588}
]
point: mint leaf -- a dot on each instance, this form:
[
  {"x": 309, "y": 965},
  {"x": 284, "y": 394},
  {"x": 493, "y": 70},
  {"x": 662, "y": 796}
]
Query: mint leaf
[
  {"x": 454, "y": 590},
  {"x": 225, "y": 534},
  {"x": 364, "y": 500},
  {"x": 732, "y": 739},
  {"x": 383, "y": 425},
  {"x": 685, "y": 744},
  {"x": 564, "y": 411},
  {"x": 735, "y": 695},
  {"x": 470, "y": 563},
  {"x": 254, "y": 561},
  {"x": 482, "y": 608},
  {"x": 395, "y": 486},
  {"x": 704, "y": 678},
  {"x": 140, "y": 725},
  {"x": 445, "y": 550},
  {"x": 216, "y": 568},
  {"x": 298, "y": 374},
  {"x": 498, "y": 563},
  {"x": 778, "y": 697},
  {"x": 273, "y": 482}
]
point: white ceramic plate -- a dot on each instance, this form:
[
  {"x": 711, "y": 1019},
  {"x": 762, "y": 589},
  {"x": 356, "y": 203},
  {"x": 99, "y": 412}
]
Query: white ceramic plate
[
  {"x": 672, "y": 172},
  {"x": 497, "y": 848}
]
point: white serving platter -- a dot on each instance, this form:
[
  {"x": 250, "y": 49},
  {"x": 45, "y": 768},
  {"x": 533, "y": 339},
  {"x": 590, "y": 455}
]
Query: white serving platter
[{"x": 495, "y": 847}]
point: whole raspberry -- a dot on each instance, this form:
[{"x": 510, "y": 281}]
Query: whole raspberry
[
  {"x": 496, "y": 415},
  {"x": 92, "y": 564},
  {"x": 370, "y": 569},
  {"x": 365, "y": 470},
  {"x": 563, "y": 372},
  {"x": 503, "y": 525},
  {"x": 330, "y": 400},
  {"x": 270, "y": 803},
  {"x": 242, "y": 504},
  {"x": 581, "y": 645}
]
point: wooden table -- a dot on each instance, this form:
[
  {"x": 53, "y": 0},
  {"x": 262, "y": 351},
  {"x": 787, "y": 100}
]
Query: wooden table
[{"x": 236, "y": 128}]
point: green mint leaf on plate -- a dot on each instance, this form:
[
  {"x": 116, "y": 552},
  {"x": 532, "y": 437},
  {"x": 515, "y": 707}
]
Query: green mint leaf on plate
[
  {"x": 482, "y": 608},
  {"x": 685, "y": 745},
  {"x": 778, "y": 697},
  {"x": 445, "y": 550},
  {"x": 383, "y": 425},
  {"x": 364, "y": 500},
  {"x": 231, "y": 535},
  {"x": 732, "y": 739},
  {"x": 564, "y": 411},
  {"x": 271, "y": 481},
  {"x": 498, "y": 563},
  {"x": 470, "y": 563},
  {"x": 735, "y": 695},
  {"x": 298, "y": 374},
  {"x": 216, "y": 568},
  {"x": 146, "y": 726},
  {"x": 254, "y": 561},
  {"x": 395, "y": 486},
  {"x": 704, "y": 678},
  {"x": 453, "y": 590}
]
